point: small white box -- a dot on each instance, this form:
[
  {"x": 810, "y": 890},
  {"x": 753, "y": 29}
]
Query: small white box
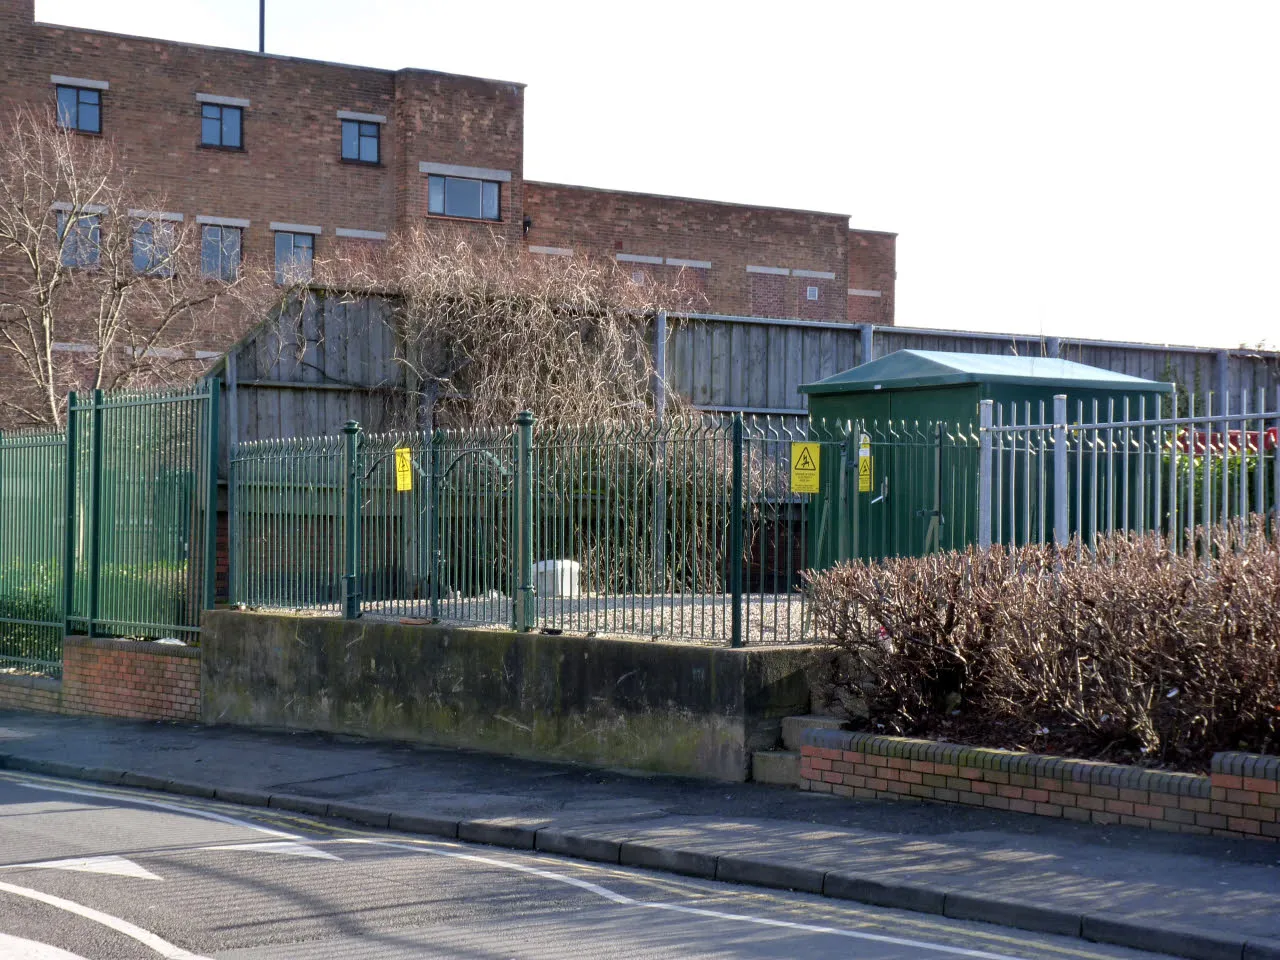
[{"x": 556, "y": 578}]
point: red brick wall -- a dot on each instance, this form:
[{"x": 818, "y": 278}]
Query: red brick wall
[
  {"x": 731, "y": 236},
  {"x": 114, "y": 678},
  {"x": 291, "y": 169},
  {"x": 872, "y": 268},
  {"x": 30, "y": 693},
  {"x": 1242, "y": 798}
]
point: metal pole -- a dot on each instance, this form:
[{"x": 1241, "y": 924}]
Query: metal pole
[
  {"x": 660, "y": 365},
  {"x": 868, "y": 342},
  {"x": 351, "y": 523},
  {"x": 659, "y": 545},
  {"x": 984, "y": 474},
  {"x": 433, "y": 521},
  {"x": 262, "y": 26},
  {"x": 233, "y": 438},
  {"x": 1275, "y": 470},
  {"x": 69, "y": 532},
  {"x": 211, "y": 497},
  {"x": 735, "y": 534},
  {"x": 1061, "y": 530},
  {"x": 524, "y": 520},
  {"x": 95, "y": 511}
]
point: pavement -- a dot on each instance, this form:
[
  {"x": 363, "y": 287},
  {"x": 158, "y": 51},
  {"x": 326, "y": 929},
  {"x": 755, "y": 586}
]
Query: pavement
[
  {"x": 1195, "y": 897},
  {"x": 97, "y": 871}
]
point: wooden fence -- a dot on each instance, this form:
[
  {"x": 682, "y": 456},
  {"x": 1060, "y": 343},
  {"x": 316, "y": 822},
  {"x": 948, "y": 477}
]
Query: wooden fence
[{"x": 337, "y": 361}]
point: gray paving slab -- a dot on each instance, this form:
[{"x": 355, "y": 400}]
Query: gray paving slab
[{"x": 1042, "y": 870}]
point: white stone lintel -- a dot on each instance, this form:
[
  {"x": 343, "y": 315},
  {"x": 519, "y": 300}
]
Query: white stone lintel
[{"x": 457, "y": 170}]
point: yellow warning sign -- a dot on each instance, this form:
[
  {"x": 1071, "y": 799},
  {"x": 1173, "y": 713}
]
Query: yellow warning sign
[
  {"x": 404, "y": 470},
  {"x": 866, "y": 465},
  {"x": 805, "y": 459},
  {"x": 866, "y": 469}
]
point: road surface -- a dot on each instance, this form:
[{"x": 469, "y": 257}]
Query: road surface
[{"x": 104, "y": 873}]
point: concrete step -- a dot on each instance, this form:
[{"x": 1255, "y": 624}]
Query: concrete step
[
  {"x": 776, "y": 766},
  {"x": 793, "y": 728}
]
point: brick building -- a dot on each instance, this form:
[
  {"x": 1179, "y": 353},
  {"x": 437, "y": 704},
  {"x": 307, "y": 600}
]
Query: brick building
[{"x": 280, "y": 156}]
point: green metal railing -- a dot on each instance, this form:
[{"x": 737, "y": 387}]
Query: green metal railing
[
  {"x": 108, "y": 526},
  {"x": 688, "y": 529},
  {"x": 32, "y": 491}
]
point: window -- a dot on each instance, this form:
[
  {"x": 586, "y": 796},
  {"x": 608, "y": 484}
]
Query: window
[
  {"x": 81, "y": 239},
  {"x": 462, "y": 197},
  {"x": 220, "y": 252},
  {"x": 80, "y": 108},
  {"x": 293, "y": 257},
  {"x": 811, "y": 293},
  {"x": 220, "y": 126},
  {"x": 359, "y": 141},
  {"x": 153, "y": 248}
]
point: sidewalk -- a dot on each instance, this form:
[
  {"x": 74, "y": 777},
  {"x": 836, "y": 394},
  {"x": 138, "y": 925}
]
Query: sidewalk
[{"x": 1190, "y": 896}]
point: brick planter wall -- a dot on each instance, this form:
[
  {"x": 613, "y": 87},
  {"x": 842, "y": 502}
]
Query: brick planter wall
[
  {"x": 114, "y": 678},
  {"x": 1241, "y": 798},
  {"x": 30, "y": 693}
]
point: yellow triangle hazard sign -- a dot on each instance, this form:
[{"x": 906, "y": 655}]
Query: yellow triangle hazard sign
[{"x": 805, "y": 460}]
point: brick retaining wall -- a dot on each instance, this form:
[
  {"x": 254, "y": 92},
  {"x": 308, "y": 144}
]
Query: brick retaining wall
[
  {"x": 1240, "y": 798},
  {"x": 30, "y": 693},
  {"x": 114, "y": 678}
]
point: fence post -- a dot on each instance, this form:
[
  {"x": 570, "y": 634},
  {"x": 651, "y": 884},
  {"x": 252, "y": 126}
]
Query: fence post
[
  {"x": 735, "y": 535},
  {"x": 211, "y": 498},
  {"x": 984, "y": 474},
  {"x": 351, "y": 523},
  {"x": 95, "y": 510},
  {"x": 524, "y": 520},
  {"x": 433, "y": 521},
  {"x": 1275, "y": 470},
  {"x": 660, "y": 366},
  {"x": 69, "y": 516},
  {"x": 1061, "y": 515}
]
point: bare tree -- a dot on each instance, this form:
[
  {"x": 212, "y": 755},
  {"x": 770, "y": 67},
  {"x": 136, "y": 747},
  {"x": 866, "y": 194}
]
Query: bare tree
[
  {"x": 485, "y": 329},
  {"x": 99, "y": 287}
]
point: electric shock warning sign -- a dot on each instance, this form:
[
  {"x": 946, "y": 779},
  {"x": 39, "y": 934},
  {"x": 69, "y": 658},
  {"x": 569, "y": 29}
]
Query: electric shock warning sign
[
  {"x": 866, "y": 465},
  {"x": 805, "y": 460},
  {"x": 404, "y": 470}
]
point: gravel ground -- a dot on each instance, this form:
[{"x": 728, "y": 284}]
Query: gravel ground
[{"x": 695, "y": 618}]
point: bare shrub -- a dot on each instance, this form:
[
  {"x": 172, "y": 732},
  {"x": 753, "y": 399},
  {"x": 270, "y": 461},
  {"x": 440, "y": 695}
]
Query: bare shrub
[
  {"x": 486, "y": 329},
  {"x": 99, "y": 288},
  {"x": 1138, "y": 654}
]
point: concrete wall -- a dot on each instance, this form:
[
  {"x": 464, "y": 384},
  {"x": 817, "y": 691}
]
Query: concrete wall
[{"x": 661, "y": 707}]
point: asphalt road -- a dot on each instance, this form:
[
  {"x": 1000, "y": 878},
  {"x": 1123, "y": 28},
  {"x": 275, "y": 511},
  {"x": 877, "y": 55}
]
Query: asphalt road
[{"x": 96, "y": 872}]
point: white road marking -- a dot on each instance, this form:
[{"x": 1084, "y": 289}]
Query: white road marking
[
  {"x": 585, "y": 885},
  {"x": 114, "y": 866},
  {"x": 156, "y": 804},
  {"x": 624, "y": 900},
  {"x": 16, "y": 948},
  {"x": 144, "y": 937},
  {"x": 287, "y": 847}
]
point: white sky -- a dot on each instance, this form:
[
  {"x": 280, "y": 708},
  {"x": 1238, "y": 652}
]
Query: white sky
[{"x": 1092, "y": 169}]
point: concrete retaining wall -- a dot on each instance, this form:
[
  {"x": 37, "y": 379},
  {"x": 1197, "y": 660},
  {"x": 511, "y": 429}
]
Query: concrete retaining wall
[
  {"x": 1240, "y": 799},
  {"x": 663, "y": 707}
]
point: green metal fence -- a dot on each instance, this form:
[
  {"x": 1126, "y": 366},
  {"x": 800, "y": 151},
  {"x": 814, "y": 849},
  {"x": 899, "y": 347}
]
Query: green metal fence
[
  {"x": 108, "y": 526},
  {"x": 689, "y": 529},
  {"x": 32, "y": 523}
]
